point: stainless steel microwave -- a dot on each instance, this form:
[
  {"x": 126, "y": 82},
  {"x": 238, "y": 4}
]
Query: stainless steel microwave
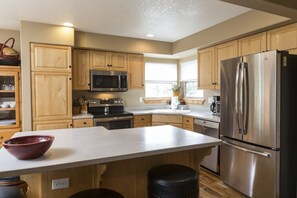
[{"x": 108, "y": 81}]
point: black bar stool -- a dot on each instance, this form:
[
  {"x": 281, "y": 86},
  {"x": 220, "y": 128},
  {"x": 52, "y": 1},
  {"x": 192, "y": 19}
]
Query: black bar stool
[
  {"x": 172, "y": 181},
  {"x": 97, "y": 193}
]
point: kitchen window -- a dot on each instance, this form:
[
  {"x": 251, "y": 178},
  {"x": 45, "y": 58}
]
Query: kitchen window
[
  {"x": 188, "y": 78},
  {"x": 159, "y": 78}
]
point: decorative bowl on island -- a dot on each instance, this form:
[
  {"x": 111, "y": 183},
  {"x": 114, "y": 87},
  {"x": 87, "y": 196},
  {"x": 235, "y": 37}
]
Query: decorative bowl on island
[{"x": 28, "y": 147}]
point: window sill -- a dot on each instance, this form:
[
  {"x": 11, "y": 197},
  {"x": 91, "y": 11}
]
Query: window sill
[
  {"x": 194, "y": 101},
  {"x": 156, "y": 101}
]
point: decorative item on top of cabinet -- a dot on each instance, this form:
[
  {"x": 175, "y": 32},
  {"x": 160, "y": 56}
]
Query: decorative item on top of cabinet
[
  {"x": 142, "y": 120},
  {"x": 174, "y": 120},
  {"x": 51, "y": 86},
  {"x": 188, "y": 123},
  {"x": 102, "y": 60},
  {"x": 209, "y": 63},
  {"x": 283, "y": 38},
  {"x": 252, "y": 44},
  {"x": 53, "y": 58},
  {"x": 79, "y": 123},
  {"x": 10, "y": 97},
  {"x": 81, "y": 69},
  {"x": 136, "y": 71}
]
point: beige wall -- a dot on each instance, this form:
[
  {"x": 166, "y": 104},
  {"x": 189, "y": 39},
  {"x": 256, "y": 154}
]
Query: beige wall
[
  {"x": 6, "y": 34},
  {"x": 242, "y": 25},
  {"x": 121, "y": 44},
  {"x": 41, "y": 33}
]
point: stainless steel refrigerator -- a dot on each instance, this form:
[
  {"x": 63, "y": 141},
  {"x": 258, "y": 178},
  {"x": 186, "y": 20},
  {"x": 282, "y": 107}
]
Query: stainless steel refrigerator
[{"x": 258, "y": 124}]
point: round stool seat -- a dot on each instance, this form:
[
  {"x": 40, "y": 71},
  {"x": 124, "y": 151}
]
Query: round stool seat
[
  {"x": 97, "y": 193},
  {"x": 172, "y": 181}
]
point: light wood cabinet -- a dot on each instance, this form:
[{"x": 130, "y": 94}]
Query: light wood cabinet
[
  {"x": 79, "y": 123},
  {"x": 293, "y": 51},
  {"x": 209, "y": 63},
  {"x": 188, "y": 123},
  {"x": 7, "y": 134},
  {"x": 10, "y": 97},
  {"x": 81, "y": 69},
  {"x": 135, "y": 71},
  {"x": 51, "y": 86},
  {"x": 53, "y": 58},
  {"x": 174, "y": 120},
  {"x": 252, "y": 44},
  {"x": 102, "y": 60},
  {"x": 50, "y": 125},
  {"x": 283, "y": 38},
  {"x": 142, "y": 120}
]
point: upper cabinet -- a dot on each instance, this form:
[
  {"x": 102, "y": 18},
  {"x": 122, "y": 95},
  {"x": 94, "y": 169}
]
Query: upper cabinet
[
  {"x": 283, "y": 38},
  {"x": 50, "y": 58},
  {"x": 135, "y": 71},
  {"x": 102, "y": 60},
  {"x": 252, "y": 44},
  {"x": 81, "y": 69},
  {"x": 209, "y": 63},
  {"x": 9, "y": 97}
]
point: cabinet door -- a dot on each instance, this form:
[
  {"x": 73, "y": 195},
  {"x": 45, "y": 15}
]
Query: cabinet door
[
  {"x": 9, "y": 97},
  {"x": 252, "y": 44},
  {"x": 81, "y": 69},
  {"x": 118, "y": 61},
  {"x": 136, "y": 71},
  {"x": 50, "y": 125},
  {"x": 224, "y": 51},
  {"x": 7, "y": 134},
  {"x": 99, "y": 60},
  {"x": 293, "y": 51},
  {"x": 206, "y": 71},
  {"x": 283, "y": 38},
  {"x": 188, "y": 123},
  {"x": 53, "y": 58},
  {"x": 51, "y": 96}
]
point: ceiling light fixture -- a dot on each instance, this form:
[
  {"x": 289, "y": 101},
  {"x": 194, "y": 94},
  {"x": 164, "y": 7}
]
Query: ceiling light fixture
[
  {"x": 150, "y": 35},
  {"x": 68, "y": 24}
]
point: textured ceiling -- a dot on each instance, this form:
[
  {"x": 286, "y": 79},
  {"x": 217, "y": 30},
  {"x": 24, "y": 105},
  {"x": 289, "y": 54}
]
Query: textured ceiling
[{"x": 169, "y": 20}]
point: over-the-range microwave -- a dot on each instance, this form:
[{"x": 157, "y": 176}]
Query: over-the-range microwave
[{"x": 106, "y": 81}]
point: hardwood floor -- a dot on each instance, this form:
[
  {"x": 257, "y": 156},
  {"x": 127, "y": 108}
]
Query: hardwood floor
[{"x": 212, "y": 187}]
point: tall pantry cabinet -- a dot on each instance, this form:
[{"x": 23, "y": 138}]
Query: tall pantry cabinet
[{"x": 51, "y": 89}]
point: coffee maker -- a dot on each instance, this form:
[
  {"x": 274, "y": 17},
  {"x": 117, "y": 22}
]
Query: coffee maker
[{"x": 215, "y": 105}]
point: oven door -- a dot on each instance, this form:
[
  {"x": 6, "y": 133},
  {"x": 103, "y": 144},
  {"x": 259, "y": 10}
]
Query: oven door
[{"x": 115, "y": 122}]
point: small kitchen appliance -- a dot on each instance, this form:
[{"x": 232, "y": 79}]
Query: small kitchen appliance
[{"x": 215, "y": 105}]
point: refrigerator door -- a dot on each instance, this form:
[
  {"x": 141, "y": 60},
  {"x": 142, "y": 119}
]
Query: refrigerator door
[
  {"x": 230, "y": 99},
  {"x": 261, "y": 84},
  {"x": 249, "y": 169}
]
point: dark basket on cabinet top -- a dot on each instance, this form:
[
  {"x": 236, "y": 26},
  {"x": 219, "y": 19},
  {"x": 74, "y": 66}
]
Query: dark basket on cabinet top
[{"x": 8, "y": 56}]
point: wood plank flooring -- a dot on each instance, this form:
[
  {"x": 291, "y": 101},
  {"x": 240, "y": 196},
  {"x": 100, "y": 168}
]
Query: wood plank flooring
[{"x": 211, "y": 186}]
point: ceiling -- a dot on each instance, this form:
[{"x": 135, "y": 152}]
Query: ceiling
[{"x": 168, "y": 20}]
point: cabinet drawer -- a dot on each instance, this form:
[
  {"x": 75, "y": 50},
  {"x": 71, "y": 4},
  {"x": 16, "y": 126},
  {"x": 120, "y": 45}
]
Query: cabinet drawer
[
  {"x": 188, "y": 120},
  {"x": 142, "y": 119},
  {"x": 167, "y": 119},
  {"x": 82, "y": 123}
]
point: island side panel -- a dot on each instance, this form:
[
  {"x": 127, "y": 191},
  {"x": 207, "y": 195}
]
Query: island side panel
[{"x": 129, "y": 177}]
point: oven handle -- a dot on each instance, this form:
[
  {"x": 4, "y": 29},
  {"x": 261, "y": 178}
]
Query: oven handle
[{"x": 113, "y": 119}]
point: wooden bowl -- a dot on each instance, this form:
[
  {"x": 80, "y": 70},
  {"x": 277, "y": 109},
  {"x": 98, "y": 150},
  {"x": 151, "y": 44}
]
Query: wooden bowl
[{"x": 28, "y": 147}]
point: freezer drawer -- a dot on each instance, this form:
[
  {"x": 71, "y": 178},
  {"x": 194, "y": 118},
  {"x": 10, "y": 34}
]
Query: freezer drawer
[{"x": 251, "y": 170}]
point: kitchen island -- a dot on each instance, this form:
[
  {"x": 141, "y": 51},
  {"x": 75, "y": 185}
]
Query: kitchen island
[{"x": 116, "y": 159}]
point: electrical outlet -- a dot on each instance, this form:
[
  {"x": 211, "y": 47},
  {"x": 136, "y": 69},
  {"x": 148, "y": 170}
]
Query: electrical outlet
[{"x": 60, "y": 183}]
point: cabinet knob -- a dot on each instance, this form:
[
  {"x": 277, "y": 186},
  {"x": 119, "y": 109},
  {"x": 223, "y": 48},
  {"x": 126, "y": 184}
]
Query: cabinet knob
[
  {"x": 85, "y": 123},
  {"x": 69, "y": 66},
  {"x": 142, "y": 119},
  {"x": 1, "y": 137},
  {"x": 187, "y": 120}
]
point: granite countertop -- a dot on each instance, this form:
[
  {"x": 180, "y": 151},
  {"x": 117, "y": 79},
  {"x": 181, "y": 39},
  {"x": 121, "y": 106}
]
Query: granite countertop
[{"x": 94, "y": 145}]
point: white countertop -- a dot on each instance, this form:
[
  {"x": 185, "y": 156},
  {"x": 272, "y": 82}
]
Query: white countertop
[
  {"x": 94, "y": 145},
  {"x": 82, "y": 116},
  {"x": 206, "y": 115}
]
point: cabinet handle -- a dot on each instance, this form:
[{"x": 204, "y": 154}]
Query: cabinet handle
[
  {"x": 187, "y": 120},
  {"x": 70, "y": 125},
  {"x": 1, "y": 137},
  {"x": 85, "y": 123},
  {"x": 69, "y": 66},
  {"x": 142, "y": 119},
  {"x": 70, "y": 78}
]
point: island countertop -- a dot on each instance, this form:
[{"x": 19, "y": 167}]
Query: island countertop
[{"x": 96, "y": 145}]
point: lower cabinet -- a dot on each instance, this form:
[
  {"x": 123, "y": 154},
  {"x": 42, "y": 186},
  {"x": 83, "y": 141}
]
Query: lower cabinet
[
  {"x": 48, "y": 125},
  {"x": 142, "y": 120},
  {"x": 174, "y": 120},
  {"x": 188, "y": 123},
  {"x": 79, "y": 123},
  {"x": 7, "y": 134}
]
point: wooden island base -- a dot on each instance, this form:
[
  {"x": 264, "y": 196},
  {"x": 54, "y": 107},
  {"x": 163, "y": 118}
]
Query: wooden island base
[{"x": 128, "y": 177}]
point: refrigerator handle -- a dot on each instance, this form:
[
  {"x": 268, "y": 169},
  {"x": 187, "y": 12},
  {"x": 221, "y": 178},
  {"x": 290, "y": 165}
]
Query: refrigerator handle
[
  {"x": 237, "y": 92},
  {"x": 245, "y": 98},
  {"x": 263, "y": 154}
]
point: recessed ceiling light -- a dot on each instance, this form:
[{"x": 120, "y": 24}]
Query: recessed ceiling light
[
  {"x": 150, "y": 35},
  {"x": 68, "y": 24}
]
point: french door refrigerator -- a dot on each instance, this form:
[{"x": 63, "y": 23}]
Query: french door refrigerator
[{"x": 258, "y": 124}]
